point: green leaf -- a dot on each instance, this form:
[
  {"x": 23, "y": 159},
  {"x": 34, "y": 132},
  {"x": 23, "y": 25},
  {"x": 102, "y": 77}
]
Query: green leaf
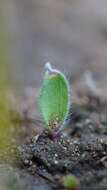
[{"x": 54, "y": 97}]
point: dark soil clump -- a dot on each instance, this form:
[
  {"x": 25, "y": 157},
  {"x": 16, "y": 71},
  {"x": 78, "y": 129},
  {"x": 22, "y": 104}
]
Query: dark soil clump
[
  {"x": 84, "y": 157},
  {"x": 42, "y": 162}
]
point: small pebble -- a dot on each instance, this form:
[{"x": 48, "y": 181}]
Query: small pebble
[{"x": 56, "y": 162}]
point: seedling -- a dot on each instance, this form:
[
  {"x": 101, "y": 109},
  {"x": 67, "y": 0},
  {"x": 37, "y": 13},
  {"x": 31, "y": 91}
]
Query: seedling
[
  {"x": 70, "y": 182},
  {"x": 54, "y": 98}
]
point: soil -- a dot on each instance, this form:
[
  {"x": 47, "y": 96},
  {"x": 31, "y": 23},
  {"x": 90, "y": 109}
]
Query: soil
[{"x": 81, "y": 150}]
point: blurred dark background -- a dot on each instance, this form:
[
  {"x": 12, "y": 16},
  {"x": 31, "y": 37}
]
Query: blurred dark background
[{"x": 71, "y": 34}]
